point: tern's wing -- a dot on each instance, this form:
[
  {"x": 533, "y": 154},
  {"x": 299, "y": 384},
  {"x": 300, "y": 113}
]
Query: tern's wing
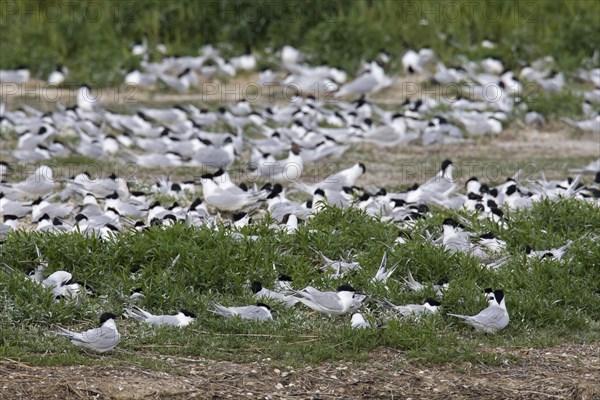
[
  {"x": 380, "y": 275},
  {"x": 100, "y": 339},
  {"x": 252, "y": 312},
  {"x": 222, "y": 310},
  {"x": 327, "y": 300},
  {"x": 363, "y": 84},
  {"x": 409, "y": 309},
  {"x": 138, "y": 314},
  {"x": 163, "y": 320},
  {"x": 493, "y": 316},
  {"x": 68, "y": 334},
  {"x": 412, "y": 284}
]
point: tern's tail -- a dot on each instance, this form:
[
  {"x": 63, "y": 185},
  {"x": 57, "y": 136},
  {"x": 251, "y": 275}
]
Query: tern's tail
[
  {"x": 459, "y": 316},
  {"x": 220, "y": 310},
  {"x": 66, "y": 333},
  {"x": 137, "y": 314},
  {"x": 410, "y": 282}
]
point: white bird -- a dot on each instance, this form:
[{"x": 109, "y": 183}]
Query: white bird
[
  {"x": 262, "y": 293},
  {"x": 429, "y": 306},
  {"x": 383, "y": 273},
  {"x": 246, "y": 62},
  {"x": 492, "y": 66},
  {"x": 157, "y": 160},
  {"x": 13, "y": 207},
  {"x": 370, "y": 81},
  {"x": 41, "y": 207},
  {"x": 182, "y": 82},
  {"x": 61, "y": 284},
  {"x": 412, "y": 284},
  {"x": 58, "y": 76},
  {"x": 216, "y": 157},
  {"x": 86, "y": 101},
  {"x": 422, "y": 63},
  {"x": 290, "y": 56},
  {"x": 592, "y": 124},
  {"x": 491, "y": 319},
  {"x": 9, "y": 223},
  {"x": 330, "y": 303},
  {"x": 557, "y": 253},
  {"x": 100, "y": 340},
  {"x": 38, "y": 184},
  {"x": 136, "y": 77},
  {"x": 20, "y": 75},
  {"x": 437, "y": 188},
  {"x": 455, "y": 239},
  {"x": 224, "y": 199},
  {"x": 283, "y": 282},
  {"x": 287, "y": 170},
  {"x": 260, "y": 311},
  {"x": 363, "y": 84},
  {"x": 339, "y": 266},
  {"x": 181, "y": 319},
  {"x": 337, "y": 181},
  {"x": 359, "y": 322}
]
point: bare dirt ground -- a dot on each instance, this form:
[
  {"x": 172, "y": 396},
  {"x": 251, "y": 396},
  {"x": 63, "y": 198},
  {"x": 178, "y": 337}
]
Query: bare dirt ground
[{"x": 564, "y": 372}]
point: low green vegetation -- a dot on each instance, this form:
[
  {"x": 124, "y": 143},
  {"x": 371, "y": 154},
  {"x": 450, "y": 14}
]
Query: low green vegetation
[
  {"x": 555, "y": 105},
  {"x": 549, "y": 301}
]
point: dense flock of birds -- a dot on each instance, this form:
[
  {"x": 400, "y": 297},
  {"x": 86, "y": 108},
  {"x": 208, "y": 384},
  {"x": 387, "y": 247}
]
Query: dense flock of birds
[
  {"x": 272, "y": 144},
  {"x": 124, "y": 210},
  {"x": 481, "y": 96}
]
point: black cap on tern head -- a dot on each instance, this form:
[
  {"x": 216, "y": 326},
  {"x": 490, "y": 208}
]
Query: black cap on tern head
[
  {"x": 44, "y": 217},
  {"x": 196, "y": 203},
  {"x": 238, "y": 216},
  {"x": 432, "y": 302},
  {"x": 296, "y": 148},
  {"x": 492, "y": 203},
  {"x": 345, "y": 288},
  {"x": 499, "y": 294},
  {"x": 474, "y": 196},
  {"x": 256, "y": 287},
  {"x": 106, "y": 316},
  {"x": 497, "y": 211},
  {"x": 445, "y": 164},
  {"x": 276, "y": 190},
  {"x": 187, "y": 313},
  {"x": 451, "y": 222},
  {"x": 263, "y": 305},
  {"x": 80, "y": 217}
]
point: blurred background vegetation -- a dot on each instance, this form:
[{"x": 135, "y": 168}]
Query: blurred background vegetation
[{"x": 94, "y": 38}]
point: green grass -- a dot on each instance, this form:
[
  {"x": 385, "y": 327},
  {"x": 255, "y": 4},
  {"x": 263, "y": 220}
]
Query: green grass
[
  {"x": 94, "y": 38},
  {"x": 555, "y": 105},
  {"x": 550, "y": 302}
]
